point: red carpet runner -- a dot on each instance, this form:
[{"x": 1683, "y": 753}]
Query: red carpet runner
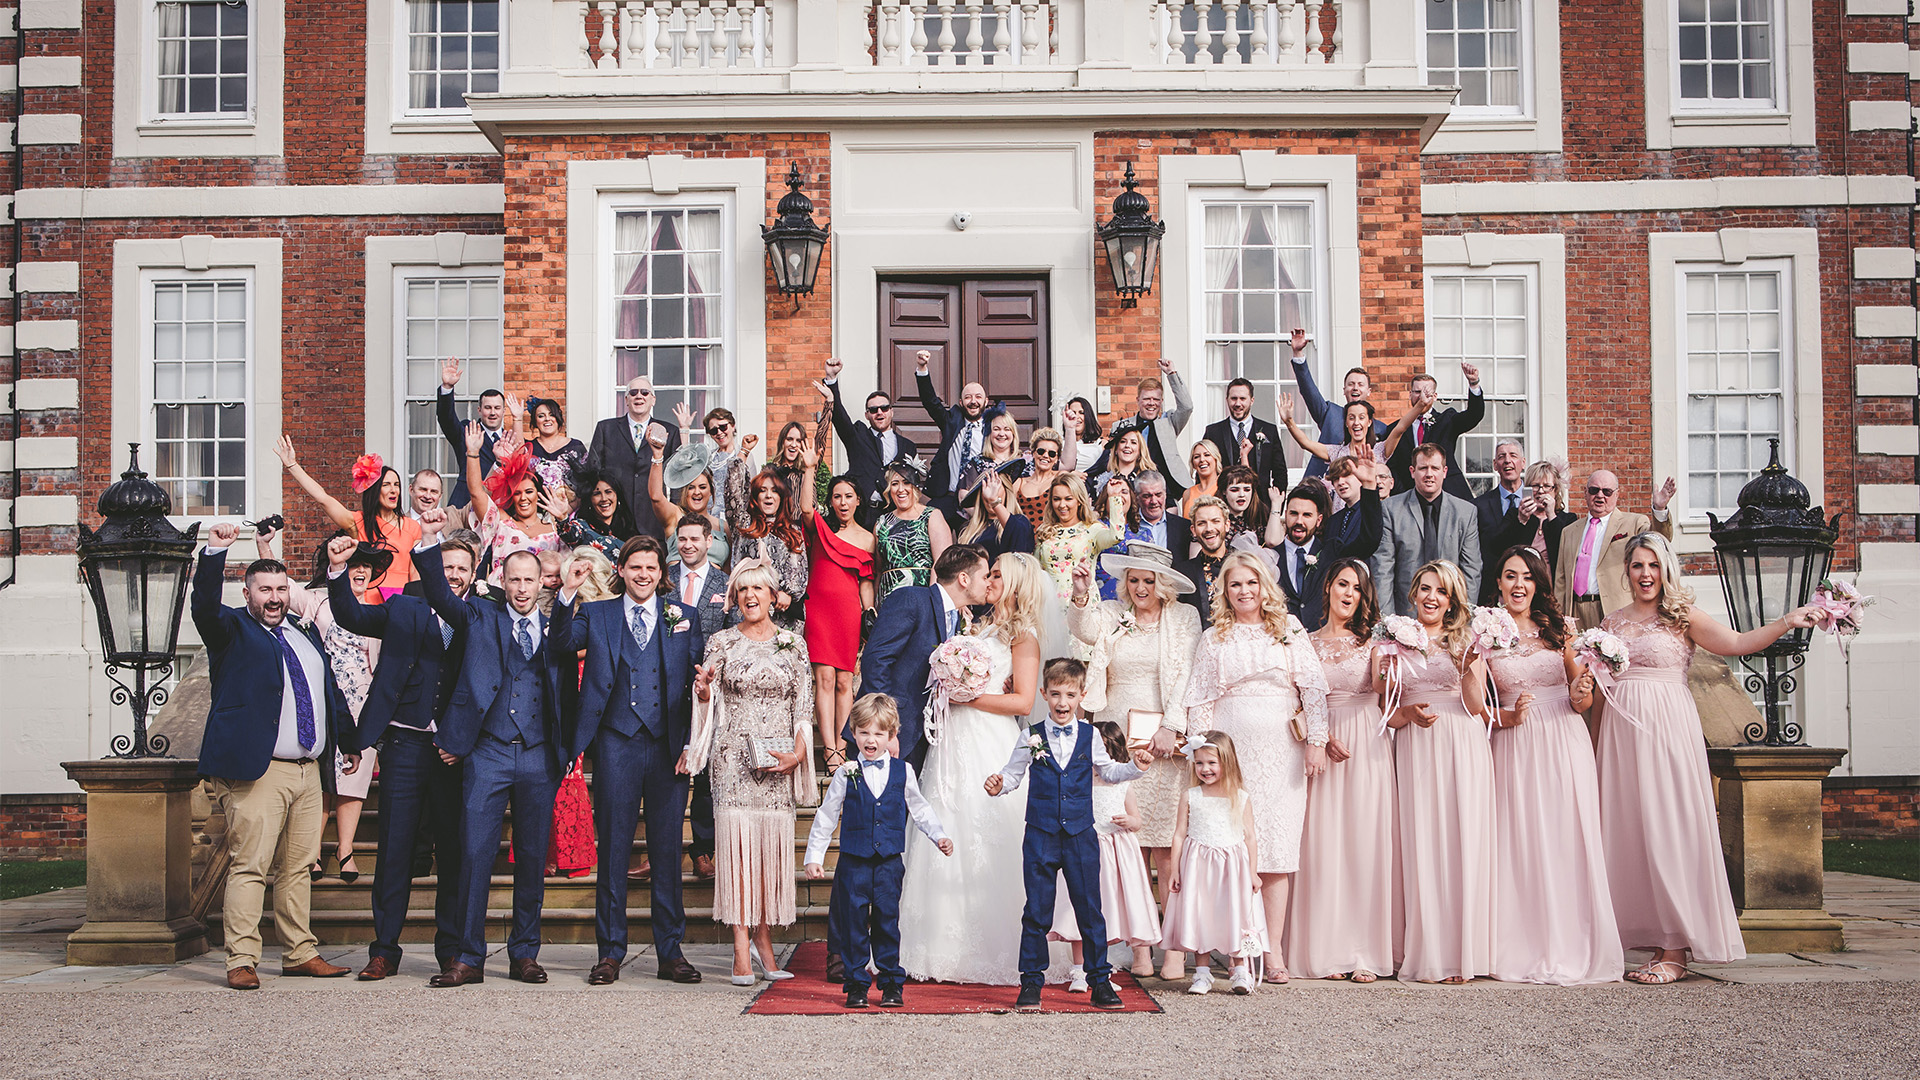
[{"x": 809, "y": 993}]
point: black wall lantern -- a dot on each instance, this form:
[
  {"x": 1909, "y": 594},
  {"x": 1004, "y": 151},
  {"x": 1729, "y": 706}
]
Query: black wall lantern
[
  {"x": 1772, "y": 552},
  {"x": 794, "y": 242},
  {"x": 1132, "y": 240},
  {"x": 136, "y": 566}
]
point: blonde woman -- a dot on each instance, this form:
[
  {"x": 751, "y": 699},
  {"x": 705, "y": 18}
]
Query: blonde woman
[
  {"x": 1254, "y": 672},
  {"x": 1129, "y": 459},
  {"x": 1003, "y": 440},
  {"x": 1443, "y": 772},
  {"x": 960, "y": 917},
  {"x": 1207, "y": 470},
  {"x": 1142, "y": 655},
  {"x": 1657, "y": 819},
  {"x": 1069, "y": 534},
  {"x": 1541, "y": 516}
]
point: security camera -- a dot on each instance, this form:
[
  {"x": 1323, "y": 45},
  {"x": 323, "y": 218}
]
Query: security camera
[{"x": 961, "y": 220}]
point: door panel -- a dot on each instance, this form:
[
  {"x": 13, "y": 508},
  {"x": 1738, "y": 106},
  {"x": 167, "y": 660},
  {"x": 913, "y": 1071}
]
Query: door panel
[{"x": 990, "y": 331}]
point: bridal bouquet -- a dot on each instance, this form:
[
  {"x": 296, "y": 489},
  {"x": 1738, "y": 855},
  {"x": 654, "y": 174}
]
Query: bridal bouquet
[
  {"x": 1837, "y": 607},
  {"x": 1604, "y": 654},
  {"x": 1493, "y": 629},
  {"x": 958, "y": 670}
]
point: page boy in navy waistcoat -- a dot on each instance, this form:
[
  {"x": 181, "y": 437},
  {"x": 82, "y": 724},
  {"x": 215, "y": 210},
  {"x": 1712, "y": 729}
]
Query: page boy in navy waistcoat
[
  {"x": 1061, "y": 756},
  {"x": 872, "y": 816}
]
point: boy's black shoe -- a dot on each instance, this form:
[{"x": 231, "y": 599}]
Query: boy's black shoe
[
  {"x": 1029, "y": 998},
  {"x": 1105, "y": 996},
  {"x": 856, "y": 996},
  {"x": 890, "y": 998}
]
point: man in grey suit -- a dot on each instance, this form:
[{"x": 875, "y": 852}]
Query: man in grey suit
[{"x": 1422, "y": 525}]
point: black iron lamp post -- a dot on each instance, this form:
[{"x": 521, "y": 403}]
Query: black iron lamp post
[
  {"x": 1772, "y": 553},
  {"x": 794, "y": 242},
  {"x": 136, "y": 566},
  {"x": 1132, "y": 241}
]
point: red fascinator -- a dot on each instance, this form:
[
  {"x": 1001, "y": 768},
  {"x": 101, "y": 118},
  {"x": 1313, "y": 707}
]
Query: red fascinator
[
  {"x": 367, "y": 472},
  {"x": 507, "y": 475}
]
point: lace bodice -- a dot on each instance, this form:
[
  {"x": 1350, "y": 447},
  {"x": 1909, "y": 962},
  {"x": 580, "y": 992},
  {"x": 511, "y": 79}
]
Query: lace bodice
[
  {"x": 1215, "y": 820},
  {"x": 1109, "y": 802},
  {"x": 1651, "y": 644},
  {"x": 1249, "y": 663},
  {"x": 1529, "y": 667},
  {"x": 1436, "y": 675},
  {"x": 767, "y": 689},
  {"x": 1347, "y": 663}
]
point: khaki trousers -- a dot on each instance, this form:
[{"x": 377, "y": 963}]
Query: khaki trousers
[{"x": 284, "y": 811}]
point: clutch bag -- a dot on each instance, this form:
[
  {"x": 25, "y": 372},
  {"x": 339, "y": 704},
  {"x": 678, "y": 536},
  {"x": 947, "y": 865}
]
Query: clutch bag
[
  {"x": 1141, "y": 725},
  {"x": 1299, "y": 725},
  {"x": 763, "y": 747}
]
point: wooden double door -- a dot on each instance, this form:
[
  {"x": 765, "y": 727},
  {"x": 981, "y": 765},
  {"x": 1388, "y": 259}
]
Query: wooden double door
[{"x": 992, "y": 331}]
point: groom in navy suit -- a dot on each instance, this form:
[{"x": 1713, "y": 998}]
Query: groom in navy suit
[
  {"x": 636, "y": 715},
  {"x": 1060, "y": 757},
  {"x": 912, "y": 622}
]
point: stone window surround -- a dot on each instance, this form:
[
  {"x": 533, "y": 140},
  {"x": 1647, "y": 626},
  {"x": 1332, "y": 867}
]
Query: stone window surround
[
  {"x": 389, "y": 129},
  {"x": 1791, "y": 123},
  {"x": 1536, "y": 128},
  {"x": 1669, "y": 256},
  {"x": 136, "y": 133},
  {"x": 136, "y": 263}
]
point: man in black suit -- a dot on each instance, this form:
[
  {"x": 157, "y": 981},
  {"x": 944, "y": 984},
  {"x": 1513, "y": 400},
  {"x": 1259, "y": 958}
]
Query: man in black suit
[
  {"x": 1168, "y": 530},
  {"x": 275, "y": 720},
  {"x": 493, "y": 417},
  {"x": 963, "y": 435},
  {"x": 420, "y": 788},
  {"x": 870, "y": 446},
  {"x": 1441, "y": 428},
  {"x": 1260, "y": 438},
  {"x": 621, "y": 454},
  {"x": 1307, "y": 551},
  {"x": 1210, "y": 530},
  {"x": 1499, "y": 505}
]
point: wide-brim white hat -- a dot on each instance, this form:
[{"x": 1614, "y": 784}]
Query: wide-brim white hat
[{"x": 1152, "y": 558}]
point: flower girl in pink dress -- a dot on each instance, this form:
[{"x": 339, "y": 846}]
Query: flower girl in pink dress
[
  {"x": 1126, "y": 893},
  {"x": 1213, "y": 904}
]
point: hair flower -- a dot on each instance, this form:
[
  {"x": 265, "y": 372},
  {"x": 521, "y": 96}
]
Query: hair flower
[{"x": 367, "y": 471}]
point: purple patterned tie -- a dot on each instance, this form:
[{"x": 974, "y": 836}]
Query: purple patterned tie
[{"x": 302, "y": 693}]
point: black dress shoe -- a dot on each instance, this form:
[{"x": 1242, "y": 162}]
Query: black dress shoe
[
  {"x": 457, "y": 974},
  {"x": 836, "y": 969},
  {"x": 1105, "y": 996},
  {"x": 856, "y": 996},
  {"x": 604, "y": 972},
  {"x": 678, "y": 970},
  {"x": 1029, "y": 998},
  {"x": 890, "y": 998},
  {"x": 526, "y": 971}
]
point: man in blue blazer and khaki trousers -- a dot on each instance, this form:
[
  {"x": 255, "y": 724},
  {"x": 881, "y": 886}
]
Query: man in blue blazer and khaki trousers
[{"x": 275, "y": 721}]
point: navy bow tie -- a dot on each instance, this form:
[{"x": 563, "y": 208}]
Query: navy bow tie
[{"x": 873, "y": 763}]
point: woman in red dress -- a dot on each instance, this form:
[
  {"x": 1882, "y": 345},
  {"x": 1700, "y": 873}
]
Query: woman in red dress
[{"x": 839, "y": 597}]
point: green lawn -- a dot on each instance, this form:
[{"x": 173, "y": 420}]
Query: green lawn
[
  {"x": 1894, "y": 858},
  {"x": 21, "y": 878}
]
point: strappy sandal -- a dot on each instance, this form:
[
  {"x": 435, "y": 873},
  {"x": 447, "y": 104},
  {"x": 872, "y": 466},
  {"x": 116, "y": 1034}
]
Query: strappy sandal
[
  {"x": 1455, "y": 980},
  {"x": 1340, "y": 976},
  {"x": 1364, "y": 976},
  {"x": 346, "y": 875},
  {"x": 1658, "y": 972},
  {"x": 1275, "y": 977},
  {"x": 835, "y": 758}
]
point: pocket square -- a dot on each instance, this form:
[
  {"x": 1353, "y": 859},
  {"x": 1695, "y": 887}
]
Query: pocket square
[{"x": 681, "y": 627}]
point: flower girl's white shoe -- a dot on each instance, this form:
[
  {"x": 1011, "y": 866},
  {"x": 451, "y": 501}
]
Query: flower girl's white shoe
[
  {"x": 1076, "y": 980},
  {"x": 1242, "y": 981},
  {"x": 1202, "y": 980}
]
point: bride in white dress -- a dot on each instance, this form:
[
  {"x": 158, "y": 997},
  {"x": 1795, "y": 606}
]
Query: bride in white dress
[{"x": 960, "y": 916}]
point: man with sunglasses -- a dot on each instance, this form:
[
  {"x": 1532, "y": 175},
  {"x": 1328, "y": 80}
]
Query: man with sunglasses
[
  {"x": 871, "y": 445},
  {"x": 621, "y": 455},
  {"x": 1590, "y": 574}
]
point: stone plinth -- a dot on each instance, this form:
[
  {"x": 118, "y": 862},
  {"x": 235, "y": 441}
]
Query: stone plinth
[
  {"x": 139, "y": 862},
  {"x": 1770, "y": 830}
]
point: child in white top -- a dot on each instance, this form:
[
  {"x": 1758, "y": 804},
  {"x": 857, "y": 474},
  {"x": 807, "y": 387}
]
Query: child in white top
[{"x": 1213, "y": 902}]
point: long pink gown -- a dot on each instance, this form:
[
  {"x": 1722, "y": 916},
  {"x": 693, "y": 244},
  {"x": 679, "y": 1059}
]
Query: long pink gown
[
  {"x": 1550, "y": 898},
  {"x": 1444, "y": 776},
  {"x": 1347, "y": 913},
  {"x": 1657, "y": 819}
]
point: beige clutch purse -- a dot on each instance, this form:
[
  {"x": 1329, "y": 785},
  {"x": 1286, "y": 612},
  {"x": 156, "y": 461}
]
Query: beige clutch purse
[
  {"x": 1141, "y": 725},
  {"x": 1299, "y": 725}
]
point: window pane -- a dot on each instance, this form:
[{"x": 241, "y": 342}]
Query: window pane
[
  {"x": 453, "y": 48},
  {"x": 1735, "y": 382},
  {"x": 1475, "y": 44},
  {"x": 1726, "y": 52},
  {"x": 1485, "y": 320},
  {"x": 204, "y": 53},
  {"x": 450, "y": 316},
  {"x": 199, "y": 393}
]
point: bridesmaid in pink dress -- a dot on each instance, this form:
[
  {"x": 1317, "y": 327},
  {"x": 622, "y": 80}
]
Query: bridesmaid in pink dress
[
  {"x": 1347, "y": 916},
  {"x": 1550, "y": 897},
  {"x": 1444, "y": 775},
  {"x": 1657, "y": 820}
]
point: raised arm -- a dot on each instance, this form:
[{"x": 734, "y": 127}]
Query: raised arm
[
  {"x": 450, "y": 427},
  {"x": 1283, "y": 404},
  {"x": 1182, "y": 410},
  {"x": 930, "y": 397},
  {"x": 476, "y": 484},
  {"x": 664, "y": 507},
  {"x": 209, "y": 576},
  {"x": 1721, "y": 640},
  {"x": 1317, "y": 405},
  {"x": 830, "y": 389},
  {"x": 809, "y": 466},
  {"x": 336, "y": 513},
  {"x": 1476, "y": 409},
  {"x": 367, "y": 620},
  {"x": 1400, "y": 428}
]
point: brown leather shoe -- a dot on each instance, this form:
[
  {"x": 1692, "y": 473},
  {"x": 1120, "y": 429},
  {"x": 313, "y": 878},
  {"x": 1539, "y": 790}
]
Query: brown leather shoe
[
  {"x": 678, "y": 970},
  {"x": 526, "y": 971},
  {"x": 243, "y": 978},
  {"x": 316, "y": 968},
  {"x": 703, "y": 866},
  {"x": 457, "y": 974},
  {"x": 604, "y": 972},
  {"x": 642, "y": 874},
  {"x": 377, "y": 968}
]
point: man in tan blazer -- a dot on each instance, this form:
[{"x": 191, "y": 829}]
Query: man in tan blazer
[{"x": 1590, "y": 576}]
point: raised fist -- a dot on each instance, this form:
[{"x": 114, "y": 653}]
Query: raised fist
[
  {"x": 339, "y": 550},
  {"x": 223, "y": 534}
]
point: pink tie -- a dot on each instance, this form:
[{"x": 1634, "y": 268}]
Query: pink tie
[
  {"x": 1583, "y": 566},
  {"x": 691, "y": 592}
]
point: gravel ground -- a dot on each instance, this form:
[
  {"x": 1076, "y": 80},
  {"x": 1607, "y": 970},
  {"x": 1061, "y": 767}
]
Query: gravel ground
[{"x": 1697, "y": 1029}]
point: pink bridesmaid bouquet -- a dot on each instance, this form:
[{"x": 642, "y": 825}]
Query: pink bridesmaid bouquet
[
  {"x": 1493, "y": 629},
  {"x": 1604, "y": 654},
  {"x": 1402, "y": 635},
  {"x": 1837, "y": 605}
]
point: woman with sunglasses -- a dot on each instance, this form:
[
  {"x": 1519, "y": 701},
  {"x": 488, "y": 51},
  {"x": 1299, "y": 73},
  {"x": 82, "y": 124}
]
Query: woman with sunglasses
[{"x": 1030, "y": 491}]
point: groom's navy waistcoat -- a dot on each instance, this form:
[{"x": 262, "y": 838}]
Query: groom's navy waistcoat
[
  {"x": 875, "y": 828},
  {"x": 1060, "y": 794}
]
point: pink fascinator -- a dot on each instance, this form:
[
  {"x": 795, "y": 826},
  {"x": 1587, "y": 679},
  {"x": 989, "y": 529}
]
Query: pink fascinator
[{"x": 367, "y": 472}]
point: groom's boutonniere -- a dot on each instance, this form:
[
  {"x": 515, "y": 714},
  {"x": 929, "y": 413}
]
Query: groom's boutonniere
[
  {"x": 1037, "y": 748},
  {"x": 785, "y": 641},
  {"x": 676, "y": 622}
]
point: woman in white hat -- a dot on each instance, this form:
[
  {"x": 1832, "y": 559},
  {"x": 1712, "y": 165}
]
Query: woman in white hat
[{"x": 1142, "y": 646}]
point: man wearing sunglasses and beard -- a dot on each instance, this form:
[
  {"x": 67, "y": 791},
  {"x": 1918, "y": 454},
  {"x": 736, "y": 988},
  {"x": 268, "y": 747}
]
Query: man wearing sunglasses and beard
[
  {"x": 871, "y": 445},
  {"x": 1591, "y": 571}
]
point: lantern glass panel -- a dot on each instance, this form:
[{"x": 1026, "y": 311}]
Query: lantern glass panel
[{"x": 137, "y": 592}]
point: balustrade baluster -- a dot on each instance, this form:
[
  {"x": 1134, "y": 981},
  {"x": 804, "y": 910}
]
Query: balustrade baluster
[
  {"x": 1003, "y": 51},
  {"x": 1176, "y": 35},
  {"x": 1231, "y": 39},
  {"x": 1284, "y": 53},
  {"x": 887, "y": 21},
  {"x": 1314, "y": 37},
  {"x": 1337, "y": 54},
  {"x": 1203, "y": 32},
  {"x": 1260, "y": 40},
  {"x": 607, "y": 57},
  {"x": 946, "y": 39},
  {"x": 917, "y": 10},
  {"x": 976, "y": 33},
  {"x": 584, "y": 44},
  {"x": 660, "y": 43},
  {"x": 1029, "y": 32}
]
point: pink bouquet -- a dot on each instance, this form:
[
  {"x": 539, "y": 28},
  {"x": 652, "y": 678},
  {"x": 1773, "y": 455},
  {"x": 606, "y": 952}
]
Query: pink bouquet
[
  {"x": 1493, "y": 629},
  {"x": 1837, "y": 607},
  {"x": 958, "y": 670},
  {"x": 1604, "y": 654},
  {"x": 1400, "y": 641}
]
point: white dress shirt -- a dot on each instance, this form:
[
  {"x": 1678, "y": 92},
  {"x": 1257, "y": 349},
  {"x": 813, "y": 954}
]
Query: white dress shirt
[
  {"x": 534, "y": 629},
  {"x": 649, "y": 614},
  {"x": 827, "y": 818},
  {"x": 692, "y": 580},
  {"x": 1060, "y": 742},
  {"x": 287, "y": 743},
  {"x": 948, "y": 609},
  {"x": 1287, "y": 557},
  {"x": 637, "y": 429}
]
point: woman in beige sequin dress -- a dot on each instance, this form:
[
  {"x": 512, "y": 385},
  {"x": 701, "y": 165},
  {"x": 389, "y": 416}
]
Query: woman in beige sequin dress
[
  {"x": 762, "y": 689},
  {"x": 1142, "y": 651}
]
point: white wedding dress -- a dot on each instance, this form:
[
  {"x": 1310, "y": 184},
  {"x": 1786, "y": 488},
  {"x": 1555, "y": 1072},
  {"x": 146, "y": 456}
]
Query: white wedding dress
[{"x": 960, "y": 916}]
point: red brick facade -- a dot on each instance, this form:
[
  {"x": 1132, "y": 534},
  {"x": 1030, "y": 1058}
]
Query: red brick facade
[
  {"x": 1873, "y": 807},
  {"x": 43, "y": 826}
]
